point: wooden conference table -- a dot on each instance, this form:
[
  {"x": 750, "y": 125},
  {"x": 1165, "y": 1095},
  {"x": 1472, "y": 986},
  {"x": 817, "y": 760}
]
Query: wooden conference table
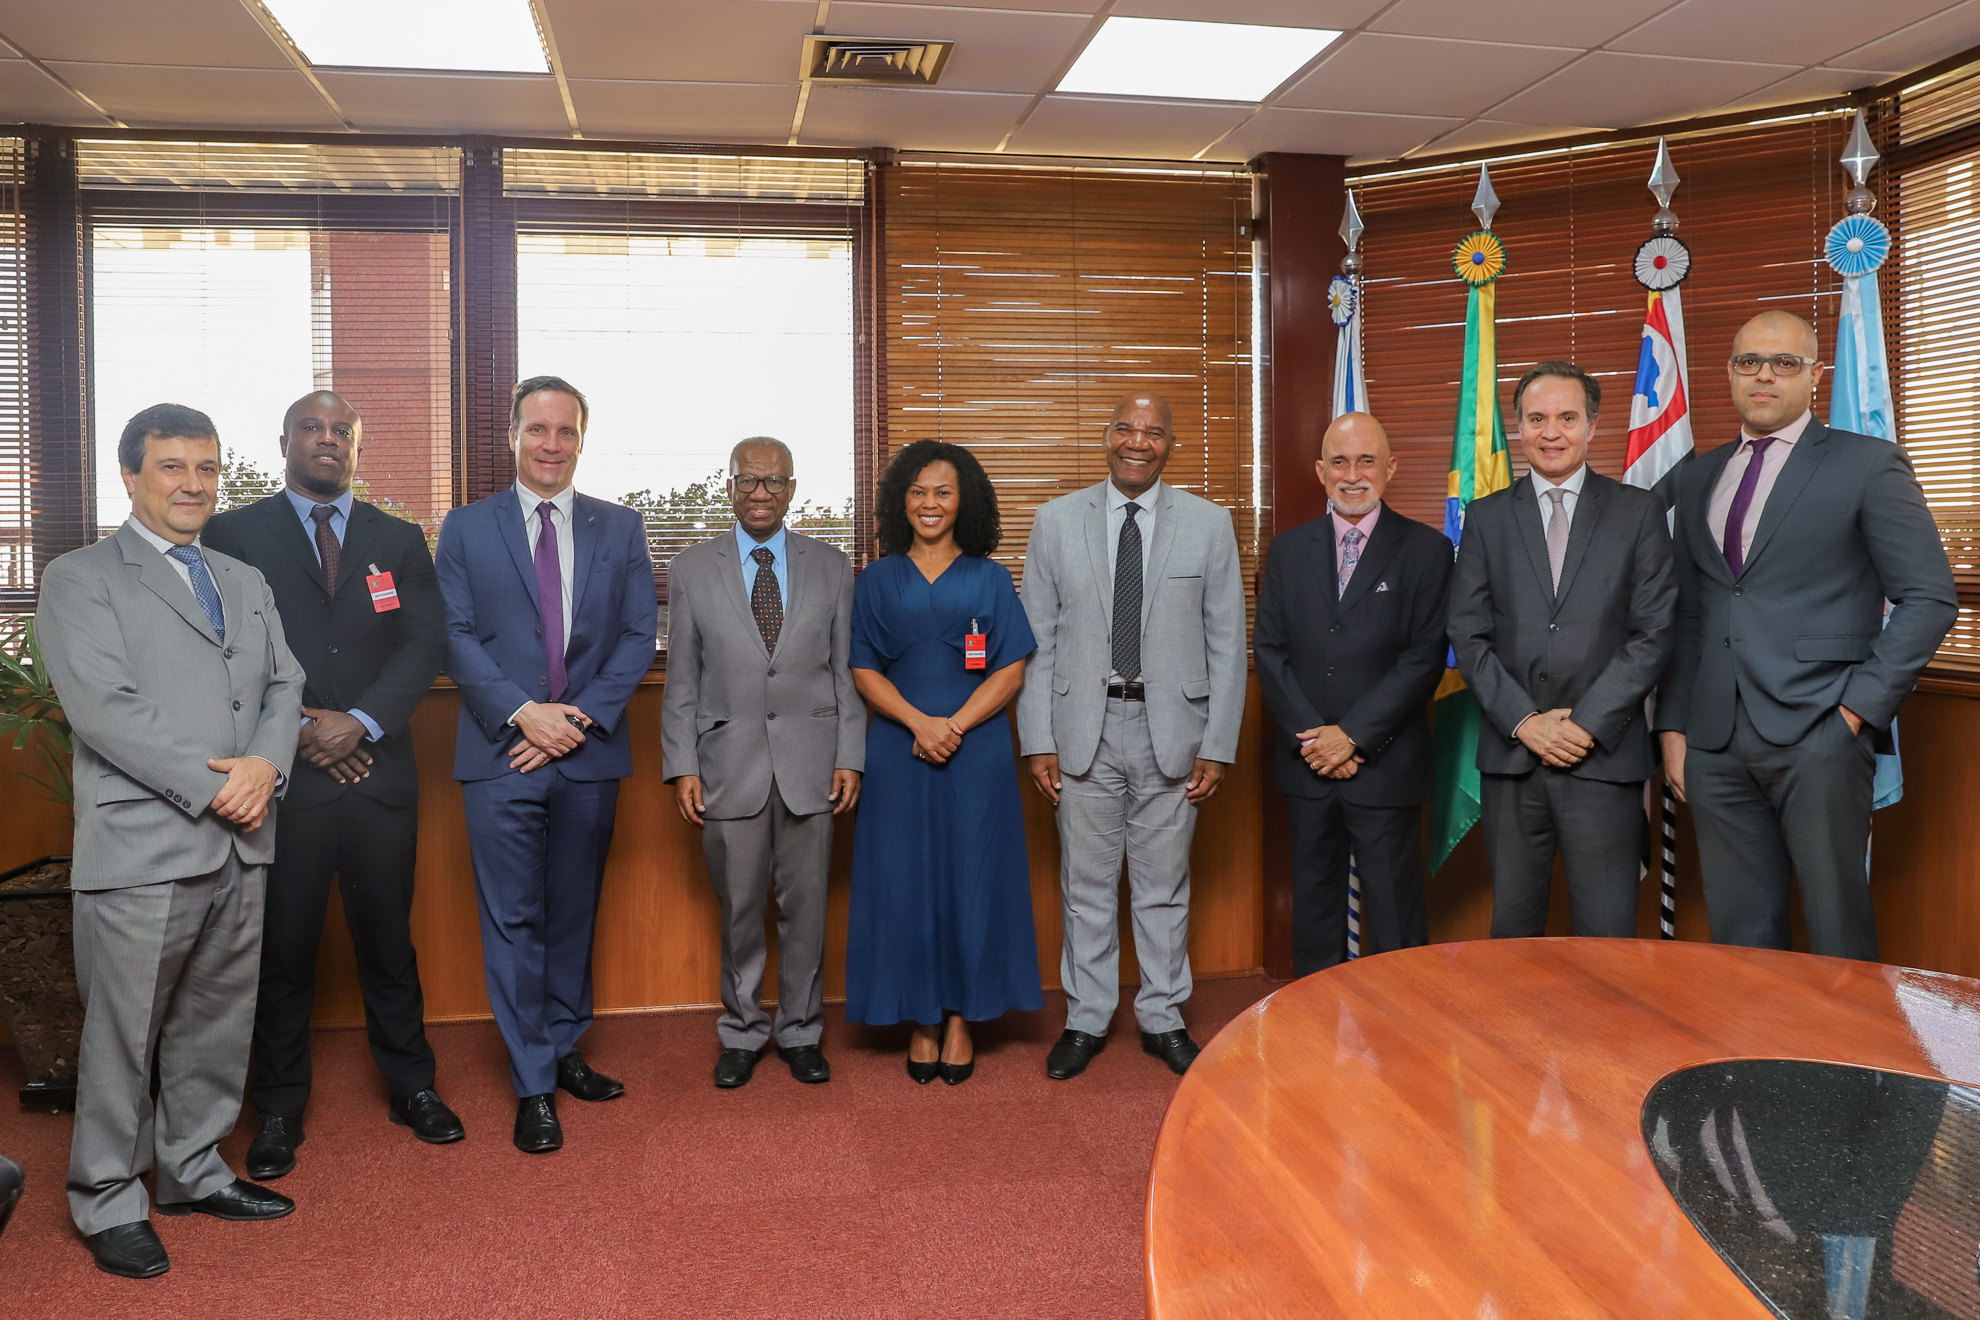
[{"x": 1455, "y": 1130}]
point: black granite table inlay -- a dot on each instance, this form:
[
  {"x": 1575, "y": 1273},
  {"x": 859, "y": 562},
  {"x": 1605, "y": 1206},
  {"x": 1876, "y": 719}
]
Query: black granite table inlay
[{"x": 1835, "y": 1192}]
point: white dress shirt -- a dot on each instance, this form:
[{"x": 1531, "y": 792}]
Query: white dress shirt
[
  {"x": 561, "y": 506},
  {"x": 1572, "y": 486},
  {"x": 1144, "y": 518}
]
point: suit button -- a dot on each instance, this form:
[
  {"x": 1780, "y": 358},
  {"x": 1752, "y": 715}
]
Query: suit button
[
  {"x": 333, "y": 650},
  {"x": 228, "y": 654},
  {"x": 773, "y": 673},
  {"x": 1728, "y": 641},
  {"x": 1330, "y": 671},
  {"x": 1739, "y": 591},
  {"x": 1553, "y": 627},
  {"x": 1335, "y": 628},
  {"x": 773, "y": 714},
  {"x": 237, "y": 705},
  {"x": 1543, "y": 678},
  {"x": 539, "y": 632}
]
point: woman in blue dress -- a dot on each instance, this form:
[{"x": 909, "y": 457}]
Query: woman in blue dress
[{"x": 941, "y": 932}]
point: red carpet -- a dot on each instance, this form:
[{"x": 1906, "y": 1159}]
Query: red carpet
[{"x": 870, "y": 1197}]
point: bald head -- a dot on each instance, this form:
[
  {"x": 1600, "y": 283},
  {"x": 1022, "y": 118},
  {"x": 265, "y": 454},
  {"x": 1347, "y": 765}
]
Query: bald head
[
  {"x": 1139, "y": 440},
  {"x": 1160, "y": 405},
  {"x": 1784, "y": 354},
  {"x": 321, "y": 434},
  {"x": 1355, "y": 464},
  {"x": 318, "y": 402}
]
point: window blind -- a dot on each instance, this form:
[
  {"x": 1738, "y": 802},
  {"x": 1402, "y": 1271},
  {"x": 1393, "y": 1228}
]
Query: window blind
[
  {"x": 1021, "y": 303},
  {"x": 17, "y": 578}
]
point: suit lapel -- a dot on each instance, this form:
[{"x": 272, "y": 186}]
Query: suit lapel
[
  {"x": 794, "y": 567},
  {"x": 1801, "y": 463},
  {"x": 1096, "y": 551},
  {"x": 584, "y": 544},
  {"x": 288, "y": 532},
  {"x": 1158, "y": 553},
  {"x": 732, "y": 587},
  {"x": 1581, "y": 530},
  {"x": 360, "y": 536},
  {"x": 1526, "y": 517},
  {"x": 1331, "y": 563},
  {"x": 509, "y": 519},
  {"x": 164, "y": 582},
  {"x": 234, "y": 603},
  {"x": 1695, "y": 515},
  {"x": 1375, "y": 556}
]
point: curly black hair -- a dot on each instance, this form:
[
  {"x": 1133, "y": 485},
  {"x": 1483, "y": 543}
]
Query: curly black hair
[{"x": 977, "y": 526}]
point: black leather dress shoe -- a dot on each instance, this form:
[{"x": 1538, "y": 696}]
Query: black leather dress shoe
[
  {"x": 582, "y": 1081},
  {"x": 11, "y": 1182},
  {"x": 807, "y": 1063},
  {"x": 1069, "y": 1057},
  {"x": 237, "y": 1200},
  {"x": 428, "y": 1117},
  {"x": 734, "y": 1068},
  {"x": 537, "y": 1128},
  {"x": 1174, "y": 1048},
  {"x": 131, "y": 1251},
  {"x": 272, "y": 1153}
]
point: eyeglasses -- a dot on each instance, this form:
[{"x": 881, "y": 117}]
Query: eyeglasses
[
  {"x": 747, "y": 485},
  {"x": 1782, "y": 364}
]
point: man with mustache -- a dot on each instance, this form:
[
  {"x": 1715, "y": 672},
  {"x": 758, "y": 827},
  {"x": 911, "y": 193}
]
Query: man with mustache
[{"x": 1350, "y": 648}]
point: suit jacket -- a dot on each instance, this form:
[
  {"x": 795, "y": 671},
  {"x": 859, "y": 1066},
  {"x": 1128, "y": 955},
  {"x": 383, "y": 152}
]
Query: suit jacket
[
  {"x": 152, "y": 694},
  {"x": 353, "y": 656},
  {"x": 1369, "y": 660},
  {"x": 1192, "y": 632},
  {"x": 736, "y": 714},
  {"x": 494, "y": 630},
  {"x": 1801, "y": 630},
  {"x": 1597, "y": 648}
]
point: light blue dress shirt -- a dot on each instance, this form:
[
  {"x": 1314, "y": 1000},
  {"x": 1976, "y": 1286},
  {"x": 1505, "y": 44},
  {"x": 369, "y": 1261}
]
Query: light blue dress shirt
[
  {"x": 746, "y": 545},
  {"x": 339, "y": 520}
]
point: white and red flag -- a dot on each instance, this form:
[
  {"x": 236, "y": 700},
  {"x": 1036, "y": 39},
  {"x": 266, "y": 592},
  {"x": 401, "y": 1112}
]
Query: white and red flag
[{"x": 1660, "y": 410}]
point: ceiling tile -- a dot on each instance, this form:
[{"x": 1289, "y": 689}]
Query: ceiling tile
[
  {"x": 743, "y": 41},
  {"x": 661, "y": 112},
  {"x": 911, "y": 119},
  {"x": 1330, "y": 133},
  {"x": 996, "y": 50},
  {"x": 1484, "y": 133},
  {"x": 1808, "y": 85},
  {"x": 1145, "y": 130},
  {"x": 1820, "y": 30},
  {"x": 1087, "y": 7},
  {"x": 1342, "y": 14},
  {"x": 1385, "y": 74},
  {"x": 1925, "y": 42},
  {"x": 1612, "y": 90},
  {"x": 174, "y": 96},
  {"x": 27, "y": 95},
  {"x": 1551, "y": 22},
  {"x": 441, "y": 103},
  {"x": 207, "y": 33}
]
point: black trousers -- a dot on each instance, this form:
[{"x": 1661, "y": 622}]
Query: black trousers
[
  {"x": 1598, "y": 829},
  {"x": 370, "y": 849},
  {"x": 1387, "y": 843}
]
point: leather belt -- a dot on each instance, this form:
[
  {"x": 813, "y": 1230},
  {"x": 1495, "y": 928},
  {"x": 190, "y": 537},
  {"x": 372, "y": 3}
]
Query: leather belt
[{"x": 1125, "y": 692}]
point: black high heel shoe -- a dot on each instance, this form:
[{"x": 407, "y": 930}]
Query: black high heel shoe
[
  {"x": 955, "y": 1074},
  {"x": 923, "y": 1073}
]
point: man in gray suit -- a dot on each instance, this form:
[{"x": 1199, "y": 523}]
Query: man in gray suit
[
  {"x": 1129, "y": 713},
  {"x": 760, "y": 626},
  {"x": 1561, "y": 620},
  {"x": 1783, "y": 683},
  {"x": 186, "y": 703}
]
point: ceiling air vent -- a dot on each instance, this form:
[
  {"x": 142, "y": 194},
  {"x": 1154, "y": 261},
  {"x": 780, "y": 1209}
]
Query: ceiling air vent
[{"x": 873, "y": 60}]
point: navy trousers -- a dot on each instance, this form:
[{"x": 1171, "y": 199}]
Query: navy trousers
[{"x": 539, "y": 842}]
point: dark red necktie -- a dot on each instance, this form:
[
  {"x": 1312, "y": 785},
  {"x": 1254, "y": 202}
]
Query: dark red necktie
[{"x": 1749, "y": 481}]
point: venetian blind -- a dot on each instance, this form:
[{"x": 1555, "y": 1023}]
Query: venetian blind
[
  {"x": 16, "y": 466},
  {"x": 1021, "y": 303}
]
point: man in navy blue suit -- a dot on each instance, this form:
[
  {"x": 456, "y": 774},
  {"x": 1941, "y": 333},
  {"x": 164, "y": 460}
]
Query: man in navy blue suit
[{"x": 551, "y": 621}]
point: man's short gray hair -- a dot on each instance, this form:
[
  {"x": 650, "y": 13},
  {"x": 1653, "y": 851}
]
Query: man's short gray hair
[{"x": 762, "y": 442}]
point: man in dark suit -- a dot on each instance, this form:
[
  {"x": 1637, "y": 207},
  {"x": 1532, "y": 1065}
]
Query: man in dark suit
[
  {"x": 551, "y": 622},
  {"x": 1785, "y": 677},
  {"x": 1349, "y": 643},
  {"x": 1561, "y": 621},
  {"x": 361, "y": 609}
]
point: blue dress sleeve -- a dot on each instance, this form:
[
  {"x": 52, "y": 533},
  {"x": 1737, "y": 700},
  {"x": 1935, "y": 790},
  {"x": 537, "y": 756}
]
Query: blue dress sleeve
[
  {"x": 1010, "y": 638},
  {"x": 874, "y": 646}
]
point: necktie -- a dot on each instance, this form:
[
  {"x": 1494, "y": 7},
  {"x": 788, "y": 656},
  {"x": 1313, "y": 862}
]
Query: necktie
[
  {"x": 327, "y": 548},
  {"x": 1350, "y": 556},
  {"x": 203, "y": 587},
  {"x": 1557, "y": 534},
  {"x": 1127, "y": 598},
  {"x": 765, "y": 601},
  {"x": 1749, "y": 481},
  {"x": 550, "y": 599}
]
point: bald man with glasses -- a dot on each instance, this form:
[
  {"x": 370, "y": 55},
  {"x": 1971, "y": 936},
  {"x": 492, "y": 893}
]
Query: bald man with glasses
[{"x": 1785, "y": 677}]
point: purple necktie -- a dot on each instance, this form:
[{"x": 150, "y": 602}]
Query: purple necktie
[
  {"x": 1749, "y": 481},
  {"x": 550, "y": 599}
]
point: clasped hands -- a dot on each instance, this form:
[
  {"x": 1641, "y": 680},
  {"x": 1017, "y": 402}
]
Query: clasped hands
[
  {"x": 1555, "y": 738},
  {"x": 1329, "y": 752},
  {"x": 332, "y": 741},
  {"x": 243, "y": 800},
  {"x": 547, "y": 733}
]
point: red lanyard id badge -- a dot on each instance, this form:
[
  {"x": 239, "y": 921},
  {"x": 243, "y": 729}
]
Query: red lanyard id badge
[
  {"x": 384, "y": 596},
  {"x": 976, "y": 648}
]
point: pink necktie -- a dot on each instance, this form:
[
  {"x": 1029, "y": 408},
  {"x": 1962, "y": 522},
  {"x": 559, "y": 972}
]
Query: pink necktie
[{"x": 550, "y": 599}]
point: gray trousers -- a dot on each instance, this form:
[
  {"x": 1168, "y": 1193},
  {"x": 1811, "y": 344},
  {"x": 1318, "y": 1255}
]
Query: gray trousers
[
  {"x": 772, "y": 852},
  {"x": 168, "y": 974},
  {"x": 1598, "y": 829},
  {"x": 1125, "y": 806},
  {"x": 1761, "y": 811}
]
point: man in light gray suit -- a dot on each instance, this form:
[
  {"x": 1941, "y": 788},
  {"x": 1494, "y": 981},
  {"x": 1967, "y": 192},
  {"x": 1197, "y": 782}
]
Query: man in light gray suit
[
  {"x": 186, "y": 703},
  {"x": 1785, "y": 677},
  {"x": 764, "y": 738},
  {"x": 1129, "y": 714}
]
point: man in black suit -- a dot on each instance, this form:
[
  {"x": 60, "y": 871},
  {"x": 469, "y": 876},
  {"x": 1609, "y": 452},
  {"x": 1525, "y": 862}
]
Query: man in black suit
[
  {"x": 360, "y": 604},
  {"x": 1785, "y": 676},
  {"x": 1350, "y": 648},
  {"x": 1561, "y": 621}
]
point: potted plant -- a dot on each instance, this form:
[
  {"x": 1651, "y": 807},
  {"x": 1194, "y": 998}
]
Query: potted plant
[{"x": 39, "y": 997}]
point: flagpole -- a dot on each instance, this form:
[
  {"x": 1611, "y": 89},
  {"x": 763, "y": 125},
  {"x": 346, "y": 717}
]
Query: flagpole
[{"x": 1344, "y": 297}]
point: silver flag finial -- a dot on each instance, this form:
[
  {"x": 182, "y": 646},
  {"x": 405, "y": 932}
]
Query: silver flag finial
[
  {"x": 1485, "y": 202},
  {"x": 1663, "y": 176},
  {"x": 1351, "y": 226},
  {"x": 1859, "y": 157}
]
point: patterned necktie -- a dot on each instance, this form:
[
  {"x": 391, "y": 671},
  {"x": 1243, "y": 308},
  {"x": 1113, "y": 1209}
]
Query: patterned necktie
[
  {"x": 1557, "y": 535},
  {"x": 550, "y": 599},
  {"x": 203, "y": 587},
  {"x": 1350, "y": 556},
  {"x": 1127, "y": 597},
  {"x": 327, "y": 548},
  {"x": 1749, "y": 481},
  {"x": 765, "y": 601}
]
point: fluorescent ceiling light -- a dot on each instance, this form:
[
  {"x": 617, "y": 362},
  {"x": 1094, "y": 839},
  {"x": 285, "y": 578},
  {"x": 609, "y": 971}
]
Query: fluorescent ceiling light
[
  {"x": 1163, "y": 57},
  {"x": 485, "y": 35}
]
